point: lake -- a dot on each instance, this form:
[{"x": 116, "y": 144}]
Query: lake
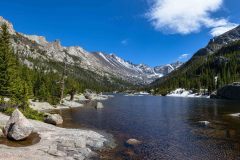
[{"x": 168, "y": 127}]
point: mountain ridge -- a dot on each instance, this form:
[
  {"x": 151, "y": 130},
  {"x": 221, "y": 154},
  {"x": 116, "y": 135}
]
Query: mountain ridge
[
  {"x": 99, "y": 62},
  {"x": 218, "y": 59}
]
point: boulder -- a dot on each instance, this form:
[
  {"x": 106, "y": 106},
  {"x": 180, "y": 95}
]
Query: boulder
[
  {"x": 204, "y": 123},
  {"x": 54, "y": 119},
  {"x": 231, "y": 92},
  {"x": 89, "y": 94},
  {"x": 133, "y": 142},
  {"x": 18, "y": 127},
  {"x": 99, "y": 105}
]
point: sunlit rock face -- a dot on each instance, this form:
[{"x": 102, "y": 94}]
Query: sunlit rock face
[
  {"x": 9, "y": 25},
  {"x": 108, "y": 65},
  {"x": 218, "y": 42}
]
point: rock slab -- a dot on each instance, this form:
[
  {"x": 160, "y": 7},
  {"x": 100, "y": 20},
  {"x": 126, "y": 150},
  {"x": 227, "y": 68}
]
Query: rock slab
[{"x": 58, "y": 144}]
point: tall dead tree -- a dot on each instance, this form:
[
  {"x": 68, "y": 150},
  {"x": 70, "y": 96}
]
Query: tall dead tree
[{"x": 62, "y": 82}]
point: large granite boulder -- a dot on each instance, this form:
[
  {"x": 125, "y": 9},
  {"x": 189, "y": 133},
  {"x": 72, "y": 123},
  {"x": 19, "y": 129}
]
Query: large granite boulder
[
  {"x": 231, "y": 92},
  {"x": 54, "y": 119},
  {"x": 18, "y": 127}
]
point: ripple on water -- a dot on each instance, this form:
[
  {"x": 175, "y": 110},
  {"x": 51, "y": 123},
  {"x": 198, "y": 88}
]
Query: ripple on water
[{"x": 168, "y": 127}]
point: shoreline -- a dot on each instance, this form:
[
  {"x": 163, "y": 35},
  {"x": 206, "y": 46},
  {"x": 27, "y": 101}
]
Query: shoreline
[
  {"x": 58, "y": 143},
  {"x": 181, "y": 92}
]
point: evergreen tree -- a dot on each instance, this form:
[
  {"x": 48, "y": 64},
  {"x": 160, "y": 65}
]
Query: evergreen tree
[
  {"x": 6, "y": 62},
  {"x": 11, "y": 84}
]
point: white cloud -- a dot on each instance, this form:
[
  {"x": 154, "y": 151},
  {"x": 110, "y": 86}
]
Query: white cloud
[
  {"x": 185, "y": 16},
  {"x": 124, "y": 42},
  {"x": 222, "y": 29},
  {"x": 183, "y": 56}
]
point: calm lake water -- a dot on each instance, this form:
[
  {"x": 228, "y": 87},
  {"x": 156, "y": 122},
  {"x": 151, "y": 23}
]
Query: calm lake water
[{"x": 168, "y": 127}]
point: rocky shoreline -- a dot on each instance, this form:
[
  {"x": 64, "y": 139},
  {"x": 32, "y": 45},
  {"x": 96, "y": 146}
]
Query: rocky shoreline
[
  {"x": 79, "y": 101},
  {"x": 230, "y": 92},
  {"x": 57, "y": 143}
]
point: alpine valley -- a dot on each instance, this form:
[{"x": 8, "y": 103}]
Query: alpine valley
[
  {"x": 59, "y": 102},
  {"x": 34, "y": 49}
]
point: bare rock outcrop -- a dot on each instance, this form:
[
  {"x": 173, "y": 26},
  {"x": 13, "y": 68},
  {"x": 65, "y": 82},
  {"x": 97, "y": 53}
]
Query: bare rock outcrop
[{"x": 57, "y": 144}]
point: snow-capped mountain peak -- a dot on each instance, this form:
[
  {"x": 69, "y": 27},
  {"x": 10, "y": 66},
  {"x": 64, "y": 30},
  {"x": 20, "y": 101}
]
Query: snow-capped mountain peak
[{"x": 110, "y": 65}]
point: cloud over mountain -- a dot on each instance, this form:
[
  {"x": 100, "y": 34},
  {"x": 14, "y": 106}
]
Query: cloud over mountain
[{"x": 187, "y": 16}]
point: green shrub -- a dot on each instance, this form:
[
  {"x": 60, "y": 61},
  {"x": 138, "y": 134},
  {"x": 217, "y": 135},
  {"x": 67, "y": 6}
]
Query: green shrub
[{"x": 27, "y": 112}]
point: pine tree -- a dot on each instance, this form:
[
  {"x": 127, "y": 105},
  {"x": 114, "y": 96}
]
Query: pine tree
[
  {"x": 7, "y": 71},
  {"x": 11, "y": 84}
]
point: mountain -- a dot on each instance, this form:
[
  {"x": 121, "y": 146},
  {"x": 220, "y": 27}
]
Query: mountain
[
  {"x": 218, "y": 42},
  {"x": 166, "y": 69},
  {"x": 32, "y": 47},
  {"x": 211, "y": 67}
]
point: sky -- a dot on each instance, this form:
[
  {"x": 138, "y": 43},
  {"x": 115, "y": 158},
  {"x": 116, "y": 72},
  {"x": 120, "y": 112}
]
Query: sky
[{"x": 153, "y": 32}]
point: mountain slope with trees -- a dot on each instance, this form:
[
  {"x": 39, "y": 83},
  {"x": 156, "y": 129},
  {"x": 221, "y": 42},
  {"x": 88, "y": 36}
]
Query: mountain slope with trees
[
  {"x": 210, "y": 68},
  {"x": 42, "y": 79}
]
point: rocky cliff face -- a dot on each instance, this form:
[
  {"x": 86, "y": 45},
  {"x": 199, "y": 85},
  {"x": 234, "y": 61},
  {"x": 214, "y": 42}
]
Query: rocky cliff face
[
  {"x": 37, "y": 47},
  {"x": 166, "y": 69},
  {"x": 10, "y": 26},
  {"x": 218, "y": 42}
]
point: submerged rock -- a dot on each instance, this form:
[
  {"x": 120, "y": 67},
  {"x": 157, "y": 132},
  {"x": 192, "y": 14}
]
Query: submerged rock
[
  {"x": 133, "y": 142},
  {"x": 99, "y": 105},
  {"x": 205, "y": 123},
  {"x": 18, "y": 127},
  {"x": 54, "y": 119}
]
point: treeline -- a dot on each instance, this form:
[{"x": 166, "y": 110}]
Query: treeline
[
  {"x": 204, "y": 73},
  {"x": 13, "y": 84},
  {"x": 43, "y": 79}
]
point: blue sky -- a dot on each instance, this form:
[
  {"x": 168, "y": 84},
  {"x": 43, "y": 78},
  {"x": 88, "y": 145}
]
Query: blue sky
[{"x": 153, "y": 32}]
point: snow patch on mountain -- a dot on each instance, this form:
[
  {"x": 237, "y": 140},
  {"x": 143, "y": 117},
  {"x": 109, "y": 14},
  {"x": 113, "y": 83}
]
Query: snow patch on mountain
[{"x": 37, "y": 47}]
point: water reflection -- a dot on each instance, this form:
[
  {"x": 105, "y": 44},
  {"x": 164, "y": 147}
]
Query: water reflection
[
  {"x": 34, "y": 138},
  {"x": 167, "y": 126}
]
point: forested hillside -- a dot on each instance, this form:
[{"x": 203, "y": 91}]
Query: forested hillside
[
  {"x": 209, "y": 71},
  {"x": 43, "y": 79}
]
